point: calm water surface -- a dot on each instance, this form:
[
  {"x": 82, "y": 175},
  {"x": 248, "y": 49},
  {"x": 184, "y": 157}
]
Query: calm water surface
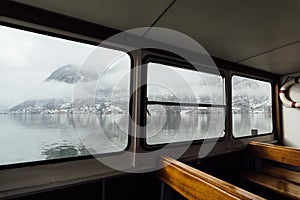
[{"x": 32, "y": 137}]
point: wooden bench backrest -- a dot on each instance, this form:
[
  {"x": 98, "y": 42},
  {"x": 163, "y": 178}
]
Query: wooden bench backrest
[
  {"x": 277, "y": 153},
  {"x": 194, "y": 184}
]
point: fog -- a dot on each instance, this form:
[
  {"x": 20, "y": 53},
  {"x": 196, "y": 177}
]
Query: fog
[
  {"x": 169, "y": 81},
  {"x": 27, "y": 59}
]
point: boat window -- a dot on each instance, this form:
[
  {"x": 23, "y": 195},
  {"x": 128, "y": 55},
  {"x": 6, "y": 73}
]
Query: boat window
[
  {"x": 251, "y": 107},
  {"x": 60, "y": 98},
  {"x": 183, "y": 105}
]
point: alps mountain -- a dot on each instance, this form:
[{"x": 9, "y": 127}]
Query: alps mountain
[{"x": 71, "y": 74}]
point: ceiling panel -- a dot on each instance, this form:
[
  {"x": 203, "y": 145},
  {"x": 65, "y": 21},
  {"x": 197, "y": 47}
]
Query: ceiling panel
[
  {"x": 235, "y": 29},
  {"x": 118, "y": 14},
  {"x": 281, "y": 61}
]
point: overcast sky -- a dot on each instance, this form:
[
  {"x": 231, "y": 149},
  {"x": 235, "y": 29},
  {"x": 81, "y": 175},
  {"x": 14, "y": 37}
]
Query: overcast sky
[{"x": 27, "y": 59}]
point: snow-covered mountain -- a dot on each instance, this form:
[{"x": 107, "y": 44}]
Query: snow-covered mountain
[
  {"x": 71, "y": 74},
  {"x": 38, "y": 104},
  {"x": 52, "y": 106},
  {"x": 248, "y": 96}
]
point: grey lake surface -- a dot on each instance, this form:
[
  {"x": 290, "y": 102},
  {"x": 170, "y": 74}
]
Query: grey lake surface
[{"x": 33, "y": 137}]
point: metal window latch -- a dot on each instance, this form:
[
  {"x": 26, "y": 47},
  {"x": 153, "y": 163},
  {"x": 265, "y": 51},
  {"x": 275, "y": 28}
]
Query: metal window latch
[
  {"x": 146, "y": 104},
  {"x": 148, "y": 112}
]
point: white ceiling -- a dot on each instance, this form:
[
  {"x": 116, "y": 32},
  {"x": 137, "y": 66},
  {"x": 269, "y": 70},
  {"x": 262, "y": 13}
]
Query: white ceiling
[{"x": 263, "y": 34}]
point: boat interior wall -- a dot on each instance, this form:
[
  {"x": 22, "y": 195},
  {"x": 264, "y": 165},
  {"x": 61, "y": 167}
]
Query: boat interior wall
[
  {"x": 255, "y": 45},
  {"x": 290, "y": 116}
]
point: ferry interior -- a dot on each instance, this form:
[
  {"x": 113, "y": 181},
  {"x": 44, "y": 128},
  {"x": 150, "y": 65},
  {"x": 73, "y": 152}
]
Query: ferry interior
[{"x": 140, "y": 99}]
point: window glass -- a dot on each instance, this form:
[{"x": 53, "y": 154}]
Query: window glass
[
  {"x": 166, "y": 83},
  {"x": 251, "y": 107},
  {"x": 168, "y": 122},
  {"x": 40, "y": 117}
]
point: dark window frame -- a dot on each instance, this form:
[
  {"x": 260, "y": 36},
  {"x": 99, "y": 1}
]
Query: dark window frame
[
  {"x": 25, "y": 13},
  {"x": 258, "y": 78},
  {"x": 175, "y": 61},
  {"x": 89, "y": 42}
]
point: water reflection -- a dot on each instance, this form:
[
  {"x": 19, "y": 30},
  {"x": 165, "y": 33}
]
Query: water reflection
[
  {"x": 173, "y": 117},
  {"x": 243, "y": 123},
  {"x": 64, "y": 151},
  {"x": 174, "y": 124},
  {"x": 32, "y": 137},
  {"x": 35, "y": 137},
  {"x": 36, "y": 121}
]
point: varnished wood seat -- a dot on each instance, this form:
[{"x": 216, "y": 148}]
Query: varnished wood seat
[
  {"x": 278, "y": 185},
  {"x": 281, "y": 173},
  {"x": 194, "y": 184},
  {"x": 280, "y": 180},
  {"x": 282, "y": 154}
]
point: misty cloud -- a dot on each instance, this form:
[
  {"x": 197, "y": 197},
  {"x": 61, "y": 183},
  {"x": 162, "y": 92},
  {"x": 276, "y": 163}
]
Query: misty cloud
[{"x": 27, "y": 59}]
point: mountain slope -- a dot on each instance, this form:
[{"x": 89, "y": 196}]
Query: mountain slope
[{"x": 71, "y": 74}]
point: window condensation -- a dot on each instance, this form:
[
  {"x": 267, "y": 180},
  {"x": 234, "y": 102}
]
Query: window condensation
[
  {"x": 200, "y": 113},
  {"x": 60, "y": 98},
  {"x": 251, "y": 107}
]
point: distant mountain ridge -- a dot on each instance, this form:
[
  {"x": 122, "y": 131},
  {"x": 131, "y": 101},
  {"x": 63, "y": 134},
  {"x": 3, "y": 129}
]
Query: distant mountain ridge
[
  {"x": 52, "y": 106},
  {"x": 39, "y": 104},
  {"x": 71, "y": 74},
  {"x": 242, "y": 84}
]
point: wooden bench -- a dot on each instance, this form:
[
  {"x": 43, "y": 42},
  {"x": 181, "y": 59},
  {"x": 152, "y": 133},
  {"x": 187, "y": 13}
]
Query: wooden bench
[
  {"x": 194, "y": 184},
  {"x": 277, "y": 179}
]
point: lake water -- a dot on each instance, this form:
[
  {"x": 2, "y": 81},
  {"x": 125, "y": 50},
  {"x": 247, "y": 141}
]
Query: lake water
[
  {"x": 245, "y": 122},
  {"x": 33, "y": 137}
]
